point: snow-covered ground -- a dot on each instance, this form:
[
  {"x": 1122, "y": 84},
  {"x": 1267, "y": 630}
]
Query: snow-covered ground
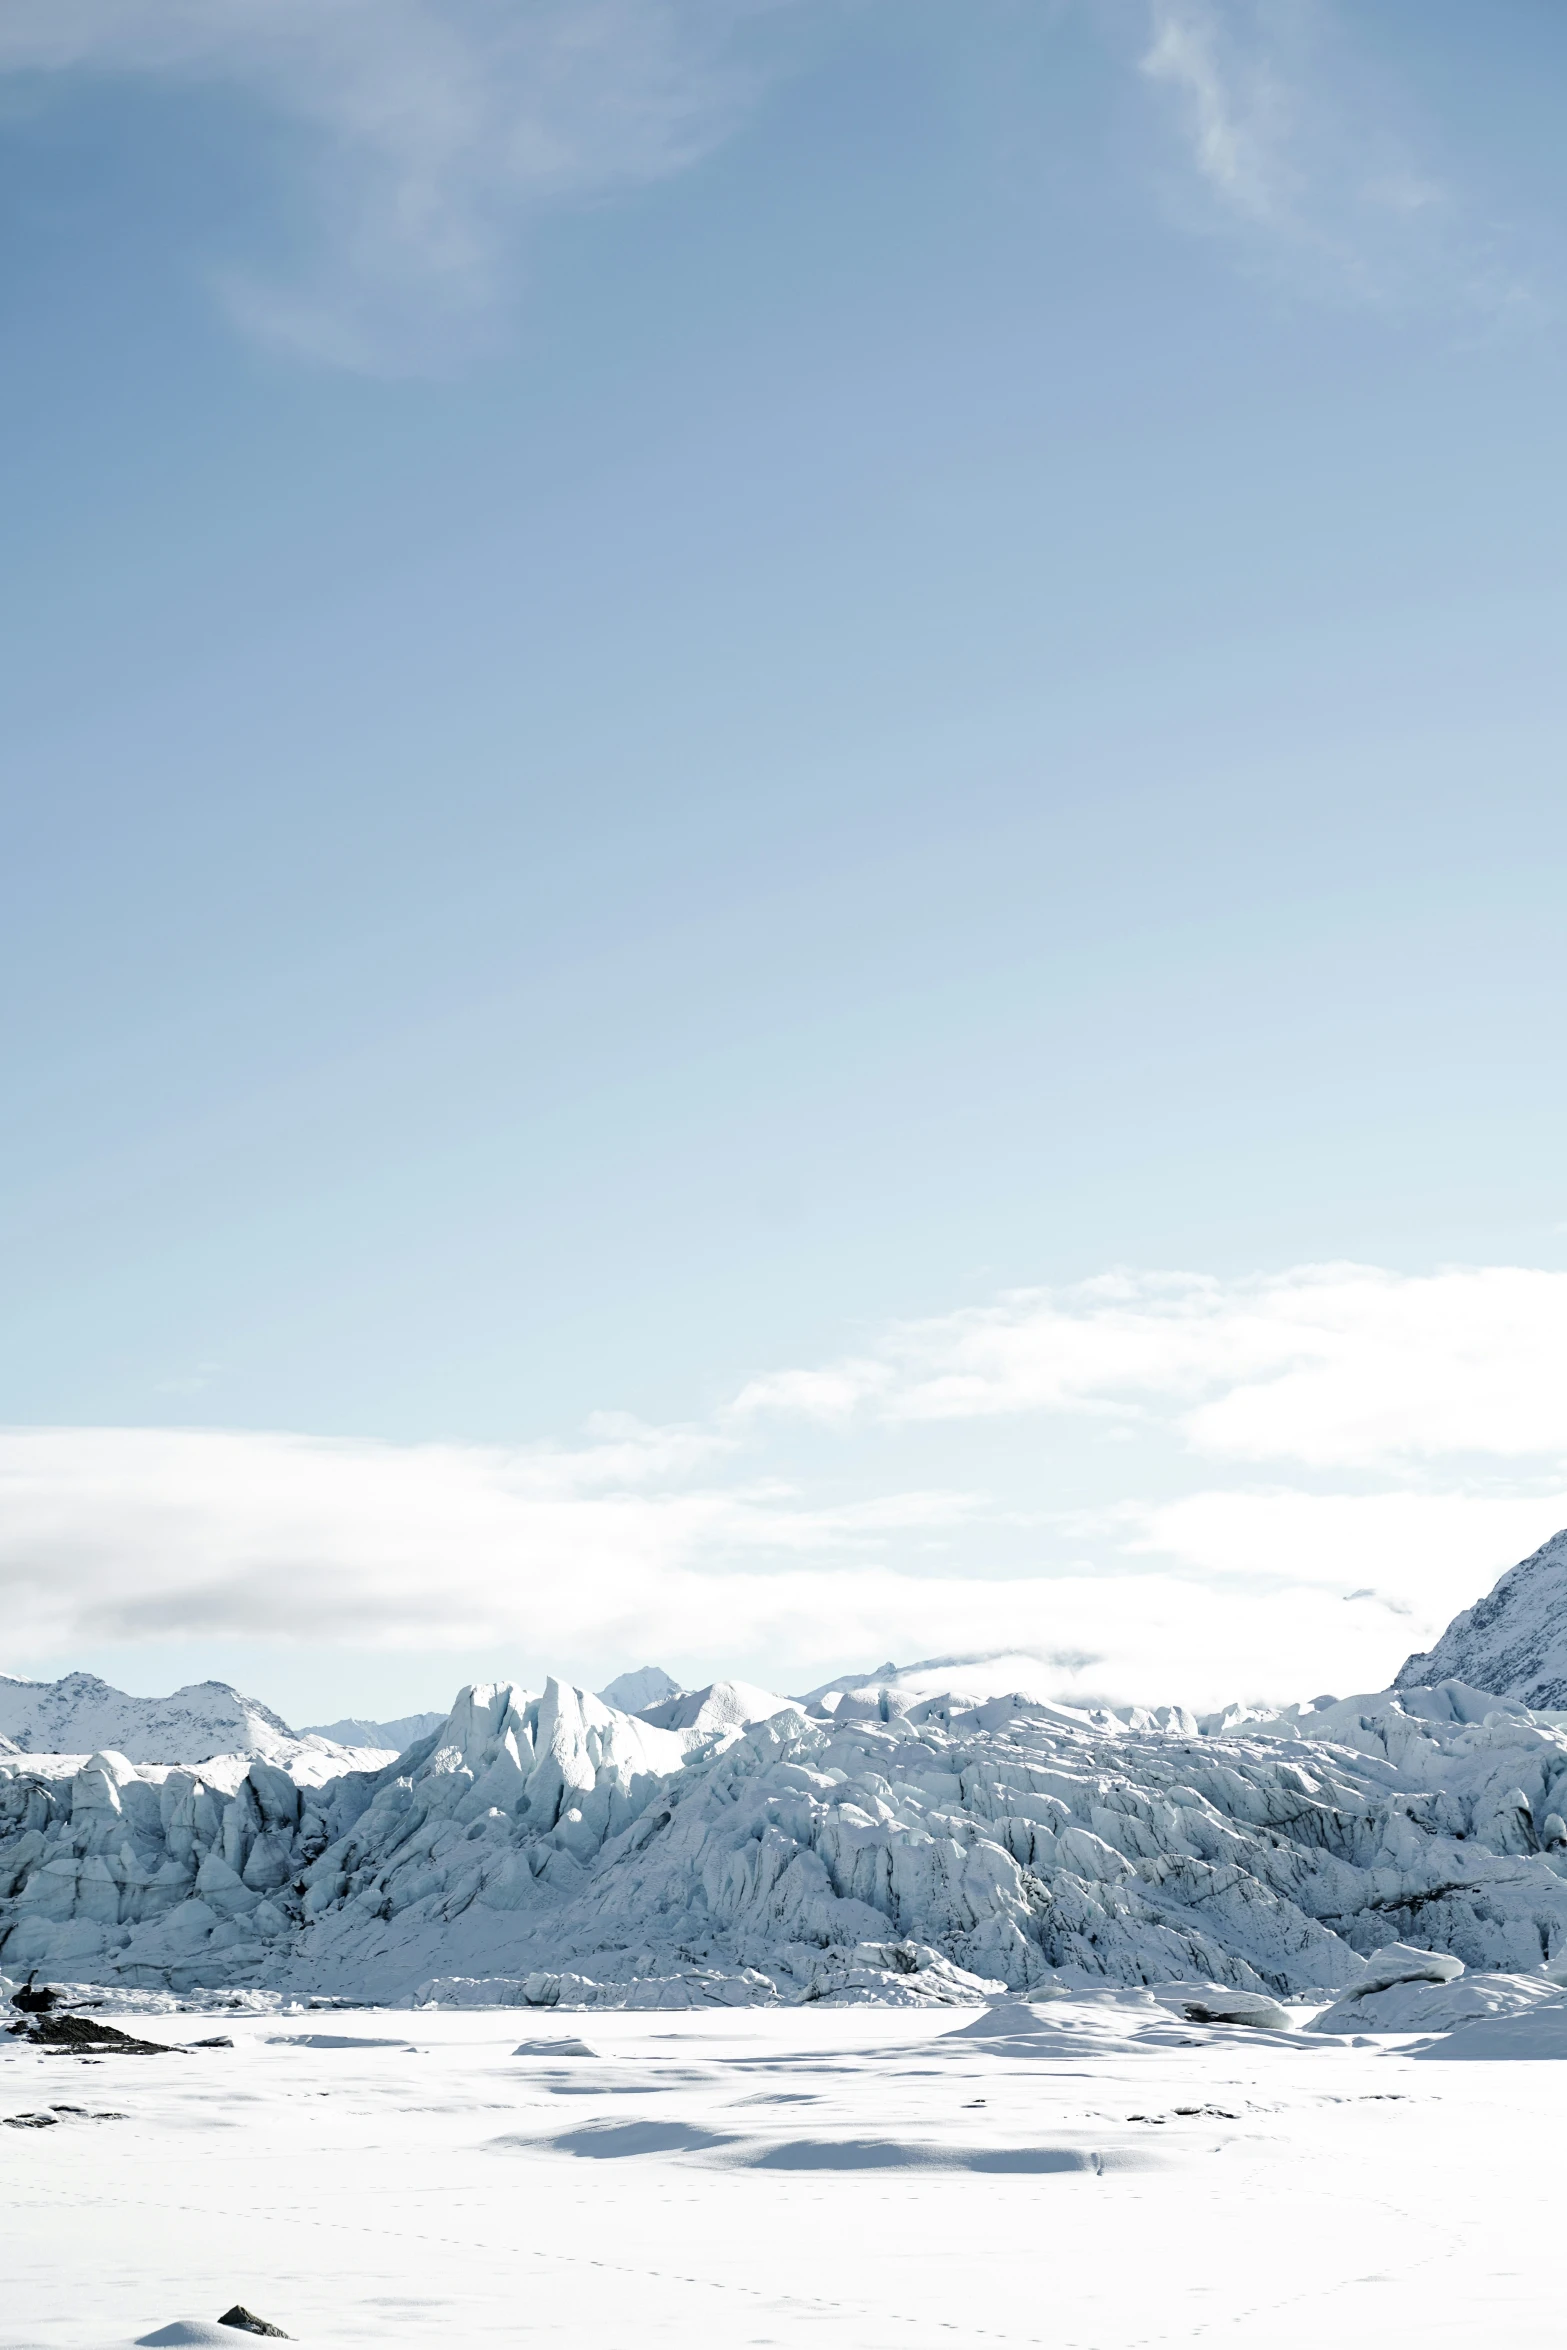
[{"x": 1090, "y": 2173}]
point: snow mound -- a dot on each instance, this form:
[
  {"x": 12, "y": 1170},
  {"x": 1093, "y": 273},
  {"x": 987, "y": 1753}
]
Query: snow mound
[
  {"x": 1004, "y": 2019},
  {"x": 1400, "y": 1962},
  {"x": 1528, "y": 2036},
  {"x": 191, "y": 2331},
  {"x": 1514, "y": 1641},
  {"x": 1212, "y": 2003},
  {"x": 1429, "y": 2006}
]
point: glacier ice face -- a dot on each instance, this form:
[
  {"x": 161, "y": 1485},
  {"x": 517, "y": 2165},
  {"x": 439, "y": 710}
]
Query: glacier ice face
[
  {"x": 582, "y": 1855},
  {"x": 1514, "y": 1641}
]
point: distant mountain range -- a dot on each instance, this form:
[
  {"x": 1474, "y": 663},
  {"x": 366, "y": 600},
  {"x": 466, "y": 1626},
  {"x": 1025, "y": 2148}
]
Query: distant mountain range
[{"x": 79, "y": 1714}]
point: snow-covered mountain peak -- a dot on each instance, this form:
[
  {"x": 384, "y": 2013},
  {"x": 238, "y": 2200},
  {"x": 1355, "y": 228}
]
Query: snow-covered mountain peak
[
  {"x": 634, "y": 1692},
  {"x": 1513, "y": 1642},
  {"x": 79, "y": 1714}
]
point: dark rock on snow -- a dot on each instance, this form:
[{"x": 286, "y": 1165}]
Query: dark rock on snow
[{"x": 62, "y": 2034}]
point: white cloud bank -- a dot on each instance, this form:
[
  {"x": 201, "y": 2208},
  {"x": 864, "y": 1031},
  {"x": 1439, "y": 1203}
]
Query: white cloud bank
[{"x": 1413, "y": 1428}]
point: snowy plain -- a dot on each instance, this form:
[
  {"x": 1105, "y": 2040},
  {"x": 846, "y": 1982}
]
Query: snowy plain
[{"x": 1088, "y": 2173}]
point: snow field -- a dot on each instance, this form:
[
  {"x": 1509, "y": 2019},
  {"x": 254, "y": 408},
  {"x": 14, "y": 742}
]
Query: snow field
[{"x": 1090, "y": 2174}]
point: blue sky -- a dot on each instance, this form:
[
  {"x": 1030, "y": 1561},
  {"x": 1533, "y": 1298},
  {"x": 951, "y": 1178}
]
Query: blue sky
[{"x": 692, "y": 685}]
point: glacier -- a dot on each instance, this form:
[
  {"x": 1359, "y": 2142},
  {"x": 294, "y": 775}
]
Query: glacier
[
  {"x": 557, "y": 1851},
  {"x": 936, "y": 1834}
]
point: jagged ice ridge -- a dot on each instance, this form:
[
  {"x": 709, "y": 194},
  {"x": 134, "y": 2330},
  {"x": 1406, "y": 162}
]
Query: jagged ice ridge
[{"x": 553, "y": 1849}]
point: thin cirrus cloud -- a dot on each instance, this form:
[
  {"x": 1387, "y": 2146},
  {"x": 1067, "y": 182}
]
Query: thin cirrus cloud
[
  {"x": 1294, "y": 142},
  {"x": 427, "y": 132},
  {"x": 1320, "y": 1466},
  {"x": 1232, "y": 102},
  {"x": 425, "y": 135}
]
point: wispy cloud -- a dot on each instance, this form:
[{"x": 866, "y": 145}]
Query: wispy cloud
[
  {"x": 1310, "y": 153},
  {"x": 432, "y": 131},
  {"x": 1329, "y": 1366},
  {"x": 1233, "y": 103},
  {"x": 426, "y": 135}
]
